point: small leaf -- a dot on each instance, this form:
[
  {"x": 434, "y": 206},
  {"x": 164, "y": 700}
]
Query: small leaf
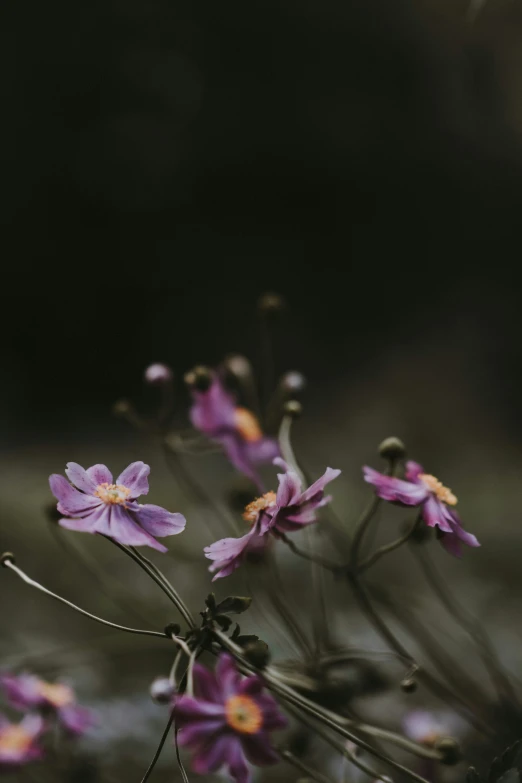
[
  {"x": 210, "y": 601},
  {"x": 234, "y": 604}
]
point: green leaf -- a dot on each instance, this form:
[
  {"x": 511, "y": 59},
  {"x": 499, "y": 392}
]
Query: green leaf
[{"x": 234, "y": 604}]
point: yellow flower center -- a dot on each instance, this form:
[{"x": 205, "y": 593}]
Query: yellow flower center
[
  {"x": 438, "y": 488},
  {"x": 14, "y": 739},
  {"x": 112, "y": 493},
  {"x": 247, "y": 425},
  {"x": 253, "y": 509},
  {"x": 242, "y": 714},
  {"x": 58, "y": 695}
]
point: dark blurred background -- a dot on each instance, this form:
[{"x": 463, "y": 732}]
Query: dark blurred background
[{"x": 165, "y": 163}]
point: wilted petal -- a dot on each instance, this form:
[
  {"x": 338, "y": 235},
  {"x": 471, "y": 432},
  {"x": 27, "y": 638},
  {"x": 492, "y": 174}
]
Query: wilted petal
[
  {"x": 80, "y": 478},
  {"x": 394, "y": 489},
  {"x": 158, "y": 521},
  {"x": 100, "y": 474},
  {"x": 71, "y": 500},
  {"x": 135, "y": 478}
]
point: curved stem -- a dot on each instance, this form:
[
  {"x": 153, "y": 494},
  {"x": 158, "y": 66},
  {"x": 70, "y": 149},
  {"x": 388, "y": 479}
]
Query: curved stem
[
  {"x": 387, "y": 548},
  {"x": 157, "y": 576},
  {"x": 162, "y": 741},
  {"x": 9, "y": 564},
  {"x": 311, "y": 774},
  {"x": 322, "y": 561}
]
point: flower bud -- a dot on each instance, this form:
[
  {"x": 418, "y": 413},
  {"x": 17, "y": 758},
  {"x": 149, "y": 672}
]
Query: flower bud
[
  {"x": 238, "y": 365},
  {"x": 449, "y": 750},
  {"x": 200, "y": 378},
  {"x": 162, "y": 690},
  {"x": 257, "y": 653},
  {"x": 292, "y": 383},
  {"x": 271, "y": 302},
  {"x": 172, "y": 629},
  {"x": 158, "y": 373},
  {"x": 293, "y": 408},
  {"x": 392, "y": 449},
  {"x": 7, "y": 557},
  {"x": 409, "y": 685}
]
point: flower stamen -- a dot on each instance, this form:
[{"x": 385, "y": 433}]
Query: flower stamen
[
  {"x": 243, "y": 715},
  {"x": 247, "y": 425},
  {"x": 254, "y": 508},
  {"x": 58, "y": 695},
  {"x": 438, "y": 489},
  {"x": 14, "y": 739},
  {"x": 112, "y": 494}
]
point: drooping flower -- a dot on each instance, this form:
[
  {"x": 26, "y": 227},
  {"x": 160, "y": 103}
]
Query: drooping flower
[
  {"x": 28, "y": 692},
  {"x": 228, "y": 721},
  {"x": 97, "y": 505},
  {"x": 19, "y": 741},
  {"x": 435, "y": 500},
  {"x": 285, "y": 512},
  {"x": 215, "y": 412}
]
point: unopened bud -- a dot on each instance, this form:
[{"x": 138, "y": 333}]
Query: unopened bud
[
  {"x": 200, "y": 378},
  {"x": 257, "y": 653},
  {"x": 449, "y": 750},
  {"x": 392, "y": 448},
  {"x": 7, "y": 557},
  {"x": 293, "y": 408},
  {"x": 172, "y": 629},
  {"x": 158, "y": 373},
  {"x": 409, "y": 685},
  {"x": 293, "y": 383},
  {"x": 162, "y": 691},
  {"x": 122, "y": 408},
  {"x": 271, "y": 302},
  {"x": 238, "y": 365}
]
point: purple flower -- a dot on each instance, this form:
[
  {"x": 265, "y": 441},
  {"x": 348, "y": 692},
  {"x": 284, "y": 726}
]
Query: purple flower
[
  {"x": 427, "y": 727},
  {"x": 285, "y": 512},
  {"x": 19, "y": 741},
  {"x": 158, "y": 374},
  {"x": 99, "y": 506},
  {"x": 424, "y": 490},
  {"x": 216, "y": 413},
  {"x": 229, "y": 718},
  {"x": 28, "y": 692}
]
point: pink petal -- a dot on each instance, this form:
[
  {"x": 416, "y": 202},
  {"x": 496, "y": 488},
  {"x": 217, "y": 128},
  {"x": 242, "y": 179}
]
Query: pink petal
[
  {"x": 227, "y": 675},
  {"x": 159, "y": 522},
  {"x": 100, "y": 474},
  {"x": 134, "y": 477},
  {"x": 394, "y": 489},
  {"x": 125, "y": 531},
  {"x": 80, "y": 478},
  {"x": 318, "y": 486},
  {"x": 71, "y": 500}
]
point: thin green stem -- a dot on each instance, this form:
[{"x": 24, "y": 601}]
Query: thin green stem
[
  {"x": 162, "y": 741},
  {"x": 9, "y": 564},
  {"x": 157, "y": 576},
  {"x": 311, "y": 774},
  {"x": 387, "y": 548},
  {"x": 318, "y": 560}
]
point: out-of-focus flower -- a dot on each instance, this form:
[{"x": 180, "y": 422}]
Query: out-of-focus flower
[
  {"x": 428, "y": 727},
  {"x": 228, "y": 721},
  {"x": 28, "y": 692},
  {"x": 436, "y": 502},
  {"x": 19, "y": 741},
  {"x": 287, "y": 511},
  {"x": 215, "y": 413},
  {"x": 100, "y": 506},
  {"x": 158, "y": 373}
]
